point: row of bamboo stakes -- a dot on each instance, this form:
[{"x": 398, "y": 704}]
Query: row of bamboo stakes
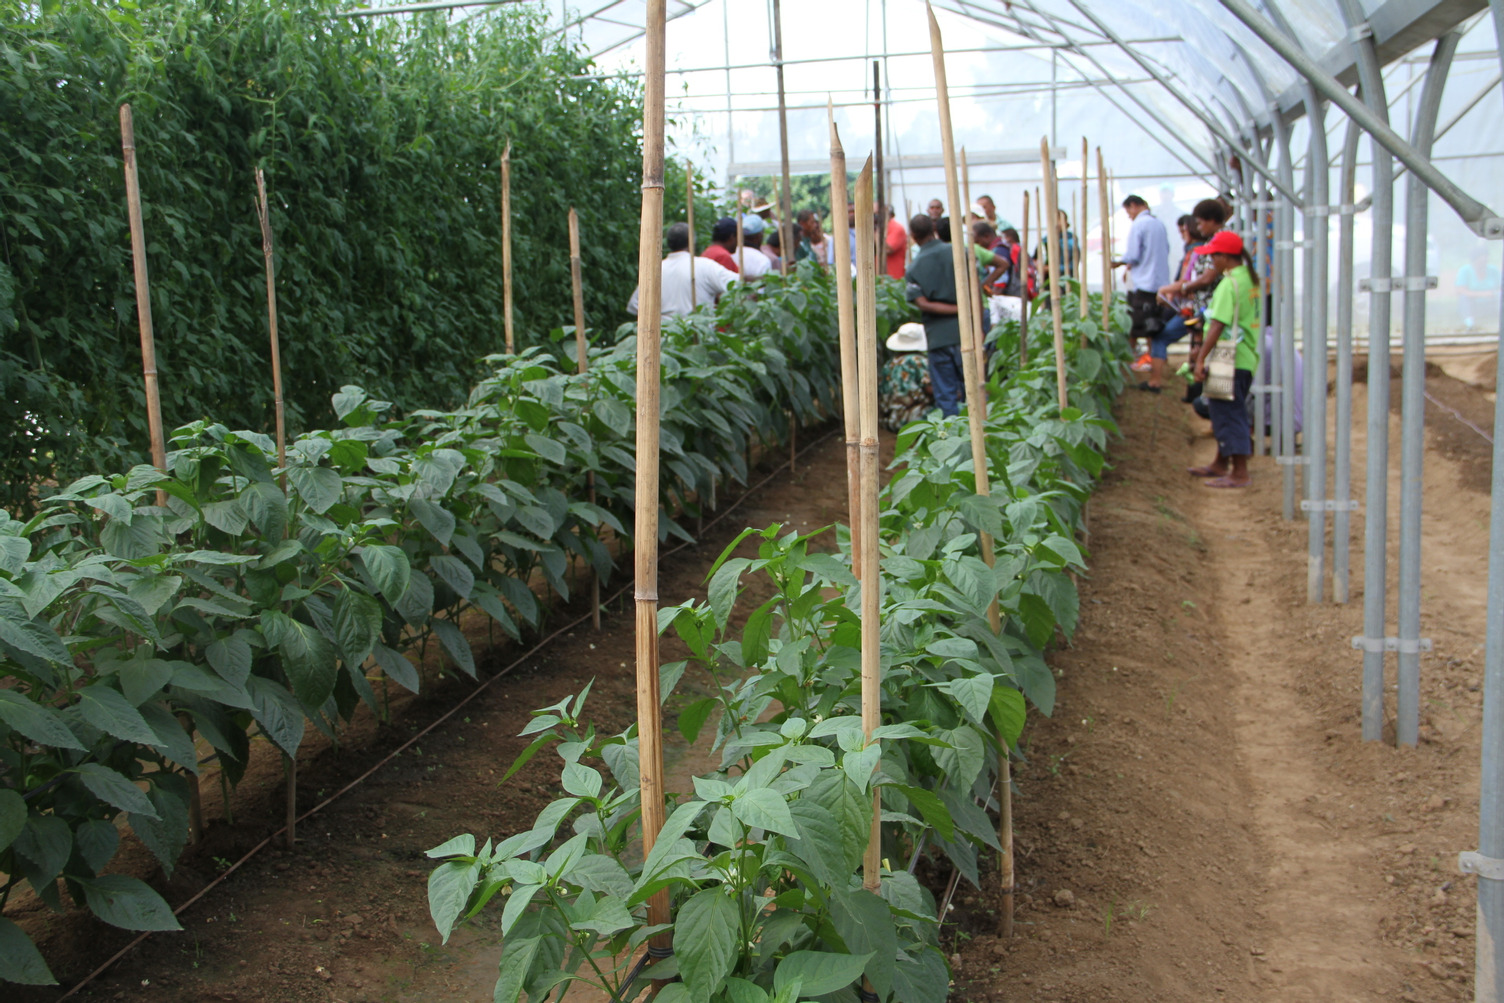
[{"x": 858, "y": 350}]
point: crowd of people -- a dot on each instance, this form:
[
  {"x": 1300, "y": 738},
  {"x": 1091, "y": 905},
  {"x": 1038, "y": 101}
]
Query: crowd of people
[{"x": 1212, "y": 296}]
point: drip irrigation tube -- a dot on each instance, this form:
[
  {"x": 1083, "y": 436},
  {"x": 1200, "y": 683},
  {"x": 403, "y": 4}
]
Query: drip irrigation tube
[
  {"x": 1458, "y": 415},
  {"x": 507, "y": 670}
]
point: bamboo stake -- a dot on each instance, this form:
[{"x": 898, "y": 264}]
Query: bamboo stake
[
  {"x": 785, "y": 231},
  {"x": 689, "y": 209},
  {"x": 785, "y": 202},
  {"x": 1081, "y": 243},
  {"x": 1052, "y": 210},
  {"x": 263, "y": 213},
  {"x": 974, "y": 284},
  {"x": 741, "y": 247},
  {"x": 649, "y": 320},
  {"x": 1024, "y": 263},
  {"x": 506, "y": 246},
  {"x": 847, "y": 324},
  {"x": 866, "y": 322},
  {"x": 582, "y": 361},
  {"x": 1106, "y": 199},
  {"x": 143, "y": 298}
]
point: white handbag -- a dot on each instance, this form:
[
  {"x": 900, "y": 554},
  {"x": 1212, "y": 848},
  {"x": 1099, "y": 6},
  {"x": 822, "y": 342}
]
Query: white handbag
[{"x": 1222, "y": 361}]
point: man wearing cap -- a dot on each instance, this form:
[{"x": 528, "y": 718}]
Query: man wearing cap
[
  {"x": 1148, "y": 260},
  {"x": 681, "y": 293},
  {"x": 753, "y": 263},
  {"x": 932, "y": 287},
  {"x": 903, "y": 387}
]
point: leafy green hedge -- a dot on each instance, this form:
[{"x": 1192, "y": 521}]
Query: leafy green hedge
[
  {"x": 381, "y": 140},
  {"x": 761, "y": 857},
  {"x": 237, "y": 612}
]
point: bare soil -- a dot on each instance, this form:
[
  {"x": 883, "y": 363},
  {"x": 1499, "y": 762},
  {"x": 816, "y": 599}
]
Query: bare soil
[{"x": 1200, "y": 820}]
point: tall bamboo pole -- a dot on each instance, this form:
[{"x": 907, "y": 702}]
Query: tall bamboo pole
[
  {"x": 1054, "y": 240},
  {"x": 689, "y": 212},
  {"x": 785, "y": 232},
  {"x": 1081, "y": 241},
  {"x": 866, "y": 323},
  {"x": 974, "y": 284},
  {"x": 263, "y": 214},
  {"x": 582, "y": 362},
  {"x": 143, "y": 297},
  {"x": 880, "y": 209},
  {"x": 649, "y": 320},
  {"x": 1106, "y": 242},
  {"x": 850, "y": 381},
  {"x": 741, "y": 246},
  {"x": 1024, "y": 263},
  {"x": 785, "y": 203},
  {"x": 506, "y": 246}
]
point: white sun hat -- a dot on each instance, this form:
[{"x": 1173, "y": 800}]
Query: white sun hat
[{"x": 908, "y": 338}]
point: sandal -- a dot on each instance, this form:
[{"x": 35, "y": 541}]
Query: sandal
[
  {"x": 1205, "y": 472},
  {"x": 1224, "y": 482},
  {"x": 1149, "y": 388}
]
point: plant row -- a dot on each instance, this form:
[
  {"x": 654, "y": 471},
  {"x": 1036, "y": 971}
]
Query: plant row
[
  {"x": 761, "y": 856},
  {"x": 151, "y": 617}
]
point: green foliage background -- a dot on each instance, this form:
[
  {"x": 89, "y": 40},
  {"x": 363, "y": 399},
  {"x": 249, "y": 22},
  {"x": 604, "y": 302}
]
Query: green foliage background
[{"x": 381, "y": 141}]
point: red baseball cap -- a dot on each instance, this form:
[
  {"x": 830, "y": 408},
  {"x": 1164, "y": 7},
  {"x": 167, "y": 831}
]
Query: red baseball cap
[{"x": 1222, "y": 242}]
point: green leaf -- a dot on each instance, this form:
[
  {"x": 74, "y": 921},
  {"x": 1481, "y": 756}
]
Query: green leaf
[
  {"x": 36, "y": 638},
  {"x": 517, "y": 956},
  {"x": 14, "y": 552},
  {"x": 723, "y": 588},
  {"x": 449, "y": 888},
  {"x": 319, "y": 487},
  {"x": 231, "y": 658},
  {"x": 118, "y": 790},
  {"x": 20, "y": 961},
  {"x": 397, "y": 667},
  {"x": 40, "y": 724},
  {"x": 97, "y": 841},
  {"x": 765, "y": 809},
  {"x": 1008, "y": 711},
  {"x": 266, "y": 506},
  {"x": 227, "y": 516},
  {"x": 866, "y": 925},
  {"x": 47, "y": 843},
  {"x": 166, "y": 837},
  {"x": 819, "y": 973},
  {"x": 742, "y": 991},
  {"x": 581, "y": 780},
  {"x": 357, "y": 625},
  {"x": 608, "y": 916},
  {"x": 931, "y": 809},
  {"x": 12, "y": 817},
  {"x": 973, "y": 693},
  {"x": 707, "y": 931},
  {"x": 309, "y": 661},
  {"x": 601, "y": 874},
  {"x": 128, "y": 903},
  {"x": 454, "y": 642},
  {"x": 437, "y": 520},
  {"x": 963, "y": 761},
  {"x": 549, "y": 449},
  {"x": 692, "y": 718},
  {"x": 453, "y": 572},
  {"x": 103, "y": 707},
  {"x": 389, "y": 570}
]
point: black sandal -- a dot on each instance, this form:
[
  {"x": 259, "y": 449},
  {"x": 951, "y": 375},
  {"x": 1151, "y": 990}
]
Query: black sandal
[{"x": 1151, "y": 389}]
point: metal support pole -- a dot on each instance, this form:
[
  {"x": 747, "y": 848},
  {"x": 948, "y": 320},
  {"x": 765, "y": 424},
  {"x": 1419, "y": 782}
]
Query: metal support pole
[
  {"x": 1413, "y": 396},
  {"x": 1376, "y": 490},
  {"x": 1488, "y": 966},
  {"x": 1342, "y": 461},
  {"x": 1284, "y": 246},
  {"x": 1316, "y": 233},
  {"x": 1257, "y": 239},
  {"x": 1474, "y": 213}
]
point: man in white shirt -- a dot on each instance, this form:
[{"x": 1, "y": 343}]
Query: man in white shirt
[
  {"x": 710, "y": 279},
  {"x": 753, "y": 262}
]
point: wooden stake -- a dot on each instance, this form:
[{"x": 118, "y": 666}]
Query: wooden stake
[
  {"x": 506, "y": 246},
  {"x": 1106, "y": 242},
  {"x": 785, "y": 203},
  {"x": 143, "y": 298},
  {"x": 263, "y": 213},
  {"x": 1051, "y": 195},
  {"x": 741, "y": 247},
  {"x": 689, "y": 211},
  {"x": 880, "y": 214},
  {"x": 650, "y": 284},
  {"x": 1024, "y": 263},
  {"x": 866, "y": 343},
  {"x": 1081, "y": 242},
  {"x": 850, "y": 382},
  {"x": 582, "y": 361}
]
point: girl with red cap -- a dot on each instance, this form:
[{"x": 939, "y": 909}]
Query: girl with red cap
[{"x": 1234, "y": 314}]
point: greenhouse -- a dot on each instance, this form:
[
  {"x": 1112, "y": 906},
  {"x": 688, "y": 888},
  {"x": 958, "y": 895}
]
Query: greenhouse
[{"x": 1074, "y": 576}]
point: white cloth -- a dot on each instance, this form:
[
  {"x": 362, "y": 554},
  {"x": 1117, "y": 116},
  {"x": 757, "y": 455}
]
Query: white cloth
[
  {"x": 757, "y": 265},
  {"x": 711, "y": 280},
  {"x": 1006, "y": 308}
]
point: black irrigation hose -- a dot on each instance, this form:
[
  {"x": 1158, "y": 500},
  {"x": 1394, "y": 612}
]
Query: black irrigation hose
[{"x": 446, "y": 716}]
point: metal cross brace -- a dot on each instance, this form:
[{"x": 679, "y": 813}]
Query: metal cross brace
[
  {"x": 1398, "y": 283},
  {"x": 1300, "y": 461},
  {"x": 1330, "y": 210},
  {"x": 1266, "y": 388},
  {"x": 1473, "y": 862},
  {"x": 1329, "y": 505},
  {"x": 1289, "y": 245},
  {"x": 1392, "y": 644}
]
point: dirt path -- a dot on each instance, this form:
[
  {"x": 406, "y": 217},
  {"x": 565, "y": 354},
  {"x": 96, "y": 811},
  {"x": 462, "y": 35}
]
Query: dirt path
[{"x": 1203, "y": 794}]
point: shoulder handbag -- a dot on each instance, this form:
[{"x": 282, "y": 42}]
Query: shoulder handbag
[{"x": 1222, "y": 362}]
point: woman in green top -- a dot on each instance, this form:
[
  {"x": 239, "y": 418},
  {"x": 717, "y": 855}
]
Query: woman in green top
[{"x": 1236, "y": 298}]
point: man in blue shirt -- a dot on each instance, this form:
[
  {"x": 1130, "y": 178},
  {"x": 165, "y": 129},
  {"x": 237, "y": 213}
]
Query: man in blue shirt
[
  {"x": 932, "y": 287},
  {"x": 1147, "y": 258}
]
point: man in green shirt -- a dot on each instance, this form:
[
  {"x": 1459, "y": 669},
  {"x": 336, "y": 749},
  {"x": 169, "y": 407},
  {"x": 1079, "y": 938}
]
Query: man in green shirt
[{"x": 931, "y": 282}]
